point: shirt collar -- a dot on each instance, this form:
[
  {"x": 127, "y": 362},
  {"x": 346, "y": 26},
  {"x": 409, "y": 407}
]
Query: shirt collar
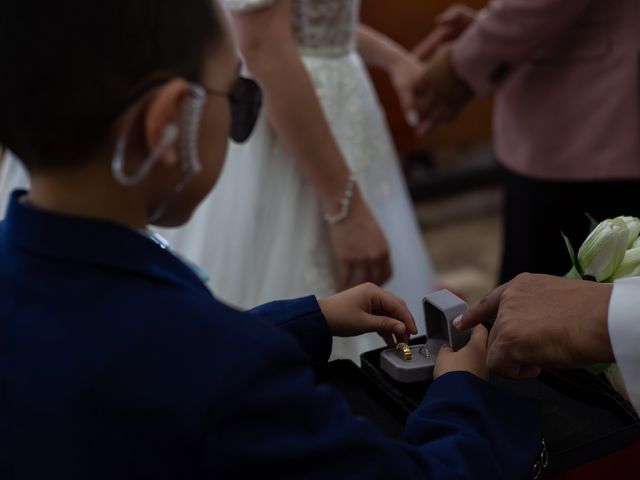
[{"x": 92, "y": 242}]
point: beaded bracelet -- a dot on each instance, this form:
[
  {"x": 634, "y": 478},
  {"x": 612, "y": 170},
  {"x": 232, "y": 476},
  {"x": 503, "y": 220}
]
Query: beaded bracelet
[{"x": 345, "y": 204}]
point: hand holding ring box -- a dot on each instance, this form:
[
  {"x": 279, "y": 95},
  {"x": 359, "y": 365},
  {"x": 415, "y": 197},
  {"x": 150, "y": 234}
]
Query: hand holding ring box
[{"x": 440, "y": 309}]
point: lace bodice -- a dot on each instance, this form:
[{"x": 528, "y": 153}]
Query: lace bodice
[{"x": 321, "y": 27}]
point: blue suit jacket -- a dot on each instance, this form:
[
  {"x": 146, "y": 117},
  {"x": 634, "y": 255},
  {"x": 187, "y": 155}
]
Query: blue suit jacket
[{"x": 116, "y": 362}]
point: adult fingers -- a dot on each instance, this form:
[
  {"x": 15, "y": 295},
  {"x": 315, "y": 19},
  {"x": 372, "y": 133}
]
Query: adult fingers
[
  {"x": 459, "y": 15},
  {"x": 344, "y": 274},
  {"x": 387, "y": 269},
  {"x": 378, "y": 272},
  {"x": 358, "y": 274},
  {"x": 425, "y": 127},
  {"x": 484, "y": 311},
  {"x": 425, "y": 49},
  {"x": 434, "y": 117}
]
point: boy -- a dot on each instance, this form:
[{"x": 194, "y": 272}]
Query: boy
[{"x": 115, "y": 361}]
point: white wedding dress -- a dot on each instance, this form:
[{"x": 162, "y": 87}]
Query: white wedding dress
[{"x": 260, "y": 234}]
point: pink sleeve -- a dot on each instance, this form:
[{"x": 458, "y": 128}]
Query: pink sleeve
[{"x": 506, "y": 33}]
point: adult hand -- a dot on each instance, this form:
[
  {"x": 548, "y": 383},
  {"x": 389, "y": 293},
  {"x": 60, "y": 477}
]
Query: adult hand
[
  {"x": 441, "y": 93},
  {"x": 544, "y": 321},
  {"x": 360, "y": 248},
  {"x": 472, "y": 358},
  {"x": 404, "y": 74},
  {"x": 368, "y": 308},
  {"x": 449, "y": 26}
]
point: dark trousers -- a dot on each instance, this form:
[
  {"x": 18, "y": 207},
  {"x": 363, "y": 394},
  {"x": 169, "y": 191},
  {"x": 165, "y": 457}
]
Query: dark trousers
[{"x": 536, "y": 213}]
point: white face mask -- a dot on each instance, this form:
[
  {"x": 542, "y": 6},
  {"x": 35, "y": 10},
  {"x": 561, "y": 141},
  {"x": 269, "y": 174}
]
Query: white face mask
[{"x": 187, "y": 134}]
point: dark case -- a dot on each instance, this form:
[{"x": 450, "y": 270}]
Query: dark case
[{"x": 583, "y": 418}]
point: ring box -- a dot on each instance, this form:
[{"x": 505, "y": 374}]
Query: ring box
[{"x": 440, "y": 310}]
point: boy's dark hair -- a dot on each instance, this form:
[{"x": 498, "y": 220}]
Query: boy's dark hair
[{"x": 69, "y": 67}]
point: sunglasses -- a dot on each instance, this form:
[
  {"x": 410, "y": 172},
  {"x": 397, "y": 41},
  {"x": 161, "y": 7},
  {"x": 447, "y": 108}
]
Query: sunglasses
[{"x": 245, "y": 100}]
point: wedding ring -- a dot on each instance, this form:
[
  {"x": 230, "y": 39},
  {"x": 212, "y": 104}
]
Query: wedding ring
[
  {"x": 404, "y": 351},
  {"x": 424, "y": 351}
]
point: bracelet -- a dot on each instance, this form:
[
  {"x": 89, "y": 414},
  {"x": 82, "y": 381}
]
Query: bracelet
[{"x": 345, "y": 204}]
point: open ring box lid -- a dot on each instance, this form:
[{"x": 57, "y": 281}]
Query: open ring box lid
[{"x": 440, "y": 310}]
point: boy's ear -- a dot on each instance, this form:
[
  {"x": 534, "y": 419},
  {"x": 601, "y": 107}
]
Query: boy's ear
[{"x": 161, "y": 129}]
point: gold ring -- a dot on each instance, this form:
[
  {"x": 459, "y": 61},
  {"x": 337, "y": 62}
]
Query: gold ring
[{"x": 404, "y": 351}]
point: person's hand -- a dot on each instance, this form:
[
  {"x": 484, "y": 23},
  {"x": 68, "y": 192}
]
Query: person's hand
[
  {"x": 368, "y": 308},
  {"x": 360, "y": 248},
  {"x": 441, "y": 93},
  {"x": 544, "y": 321},
  {"x": 404, "y": 75},
  {"x": 450, "y": 24},
  {"x": 472, "y": 358}
]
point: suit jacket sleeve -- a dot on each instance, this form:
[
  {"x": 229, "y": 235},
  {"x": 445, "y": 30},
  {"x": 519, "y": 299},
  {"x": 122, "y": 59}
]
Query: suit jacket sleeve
[
  {"x": 624, "y": 331},
  {"x": 287, "y": 425},
  {"x": 303, "y": 319},
  {"x": 506, "y": 34}
]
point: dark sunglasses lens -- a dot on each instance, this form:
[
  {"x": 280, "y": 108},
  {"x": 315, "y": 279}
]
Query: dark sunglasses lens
[{"x": 246, "y": 101}]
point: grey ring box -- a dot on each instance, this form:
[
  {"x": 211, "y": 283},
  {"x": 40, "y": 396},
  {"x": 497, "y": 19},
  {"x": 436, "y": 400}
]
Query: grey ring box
[{"x": 440, "y": 310}]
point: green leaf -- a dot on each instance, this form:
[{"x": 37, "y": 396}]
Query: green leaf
[
  {"x": 598, "y": 369},
  {"x": 573, "y": 274},
  {"x": 593, "y": 221},
  {"x": 576, "y": 270}
]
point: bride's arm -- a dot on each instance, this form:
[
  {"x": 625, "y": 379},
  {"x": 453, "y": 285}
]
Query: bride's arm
[
  {"x": 271, "y": 54},
  {"x": 378, "y": 50}
]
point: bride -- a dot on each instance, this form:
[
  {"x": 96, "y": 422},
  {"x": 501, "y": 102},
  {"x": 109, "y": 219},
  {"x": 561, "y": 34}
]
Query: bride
[{"x": 286, "y": 208}]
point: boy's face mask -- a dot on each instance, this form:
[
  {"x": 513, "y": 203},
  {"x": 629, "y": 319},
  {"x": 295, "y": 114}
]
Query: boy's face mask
[{"x": 245, "y": 101}]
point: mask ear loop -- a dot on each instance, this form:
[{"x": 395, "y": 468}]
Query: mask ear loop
[
  {"x": 118, "y": 162},
  {"x": 191, "y": 120},
  {"x": 189, "y": 140}
]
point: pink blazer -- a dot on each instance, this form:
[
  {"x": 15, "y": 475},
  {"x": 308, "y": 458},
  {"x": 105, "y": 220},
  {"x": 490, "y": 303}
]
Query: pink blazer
[{"x": 566, "y": 74}]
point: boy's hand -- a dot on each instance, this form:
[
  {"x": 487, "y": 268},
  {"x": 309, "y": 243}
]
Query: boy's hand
[
  {"x": 367, "y": 308},
  {"x": 472, "y": 358}
]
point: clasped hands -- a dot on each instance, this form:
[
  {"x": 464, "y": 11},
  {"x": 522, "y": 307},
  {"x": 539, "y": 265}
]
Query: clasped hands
[{"x": 430, "y": 90}]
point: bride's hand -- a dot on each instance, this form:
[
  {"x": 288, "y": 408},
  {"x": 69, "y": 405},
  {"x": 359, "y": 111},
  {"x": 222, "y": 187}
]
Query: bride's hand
[
  {"x": 360, "y": 248},
  {"x": 368, "y": 308},
  {"x": 405, "y": 73}
]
